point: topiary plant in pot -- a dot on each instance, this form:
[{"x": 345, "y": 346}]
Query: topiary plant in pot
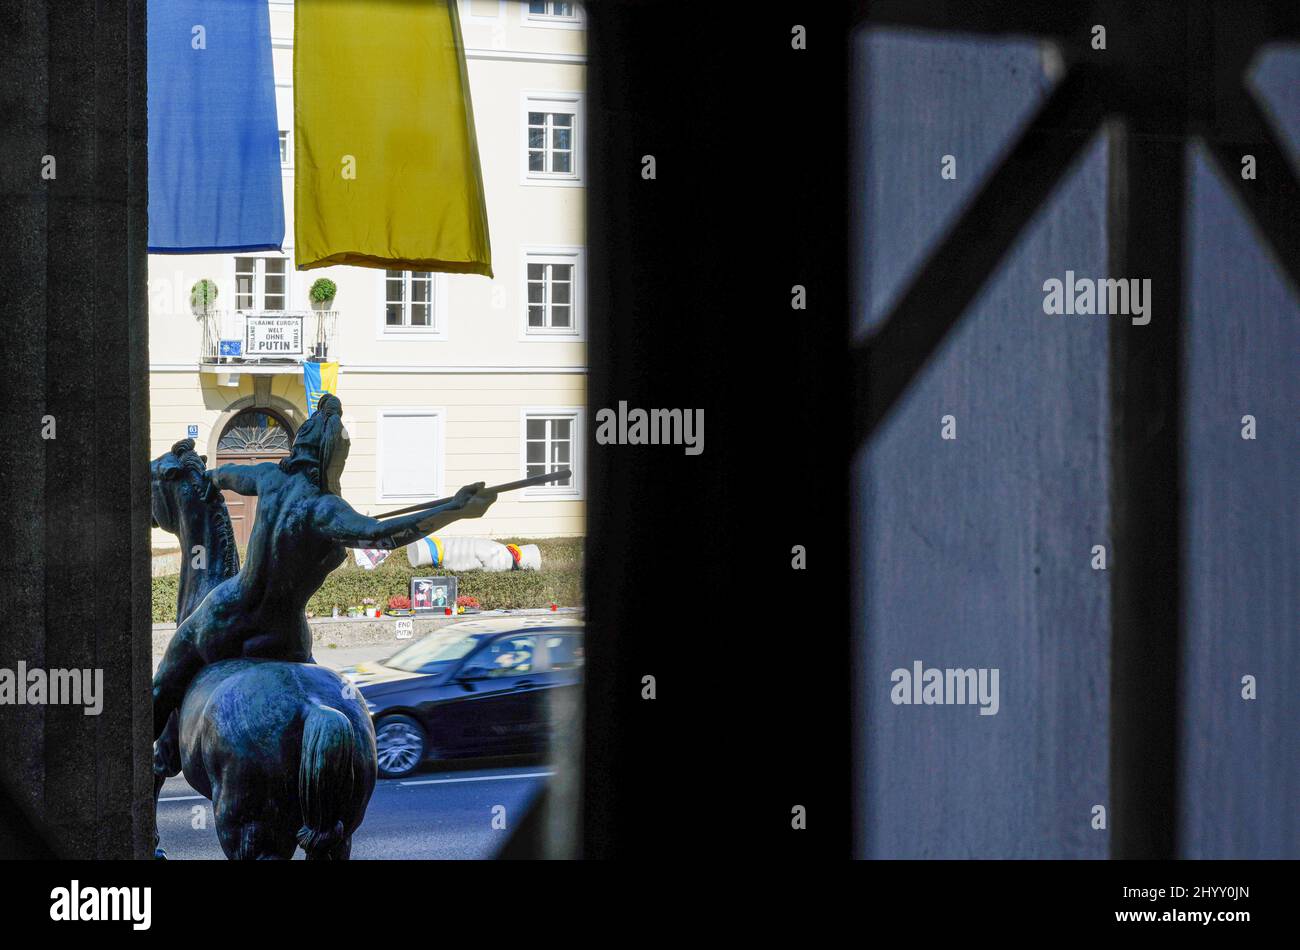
[
  {"x": 322, "y": 293},
  {"x": 203, "y": 295}
]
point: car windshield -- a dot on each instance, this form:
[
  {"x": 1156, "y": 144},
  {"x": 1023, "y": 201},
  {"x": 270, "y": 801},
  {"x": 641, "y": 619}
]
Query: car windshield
[{"x": 432, "y": 653}]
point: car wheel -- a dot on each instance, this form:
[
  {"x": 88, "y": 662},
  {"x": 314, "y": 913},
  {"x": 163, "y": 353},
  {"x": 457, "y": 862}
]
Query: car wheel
[{"x": 399, "y": 746}]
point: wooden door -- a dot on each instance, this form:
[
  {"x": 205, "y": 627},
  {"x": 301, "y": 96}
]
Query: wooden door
[
  {"x": 254, "y": 436},
  {"x": 243, "y": 508}
]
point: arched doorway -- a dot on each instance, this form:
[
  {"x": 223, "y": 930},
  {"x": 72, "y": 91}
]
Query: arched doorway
[{"x": 252, "y": 436}]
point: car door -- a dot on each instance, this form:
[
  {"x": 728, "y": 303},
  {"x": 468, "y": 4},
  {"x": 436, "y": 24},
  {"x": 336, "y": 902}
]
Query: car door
[
  {"x": 562, "y": 659},
  {"x": 500, "y": 707}
]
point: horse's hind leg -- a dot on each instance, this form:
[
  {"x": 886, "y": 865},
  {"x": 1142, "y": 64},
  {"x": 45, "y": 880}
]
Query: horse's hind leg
[
  {"x": 254, "y": 841},
  {"x": 339, "y": 852}
]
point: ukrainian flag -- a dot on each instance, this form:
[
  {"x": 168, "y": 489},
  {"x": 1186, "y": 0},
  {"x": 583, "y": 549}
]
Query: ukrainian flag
[
  {"x": 319, "y": 379},
  {"x": 215, "y": 183},
  {"x": 386, "y": 159}
]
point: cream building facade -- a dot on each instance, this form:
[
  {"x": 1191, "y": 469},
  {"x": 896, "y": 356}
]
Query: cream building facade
[{"x": 445, "y": 379}]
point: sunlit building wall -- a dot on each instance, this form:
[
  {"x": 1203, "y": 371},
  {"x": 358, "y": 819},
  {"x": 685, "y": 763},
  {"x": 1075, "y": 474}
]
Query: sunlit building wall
[{"x": 445, "y": 379}]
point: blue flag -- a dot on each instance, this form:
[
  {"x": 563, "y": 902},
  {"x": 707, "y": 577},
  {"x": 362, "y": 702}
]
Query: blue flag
[{"x": 214, "y": 144}]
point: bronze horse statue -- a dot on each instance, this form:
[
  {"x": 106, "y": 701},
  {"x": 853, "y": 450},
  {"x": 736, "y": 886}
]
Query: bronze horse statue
[
  {"x": 302, "y": 531},
  {"x": 246, "y": 724}
]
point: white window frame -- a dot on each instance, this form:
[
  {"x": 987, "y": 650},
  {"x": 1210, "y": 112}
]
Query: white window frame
[
  {"x": 533, "y": 100},
  {"x": 440, "y": 316},
  {"x": 440, "y": 451},
  {"x": 555, "y": 254},
  {"x": 259, "y": 282},
  {"x": 550, "y": 21},
  {"x": 574, "y": 492},
  {"x": 279, "y": 85}
]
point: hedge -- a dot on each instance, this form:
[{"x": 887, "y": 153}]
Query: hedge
[{"x": 559, "y": 581}]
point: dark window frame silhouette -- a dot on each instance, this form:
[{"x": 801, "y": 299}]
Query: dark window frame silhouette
[{"x": 1171, "y": 74}]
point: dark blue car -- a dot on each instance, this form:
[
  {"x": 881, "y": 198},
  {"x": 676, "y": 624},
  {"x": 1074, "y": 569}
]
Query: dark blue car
[{"x": 476, "y": 688}]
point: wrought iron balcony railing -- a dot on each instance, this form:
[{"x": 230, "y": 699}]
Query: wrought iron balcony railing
[{"x": 234, "y": 338}]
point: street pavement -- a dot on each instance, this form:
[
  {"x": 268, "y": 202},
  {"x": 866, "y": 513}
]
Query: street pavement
[{"x": 439, "y": 813}]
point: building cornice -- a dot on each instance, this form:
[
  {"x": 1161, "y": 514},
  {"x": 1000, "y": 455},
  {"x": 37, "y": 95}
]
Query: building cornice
[
  {"x": 431, "y": 369},
  {"x": 501, "y": 55},
  {"x": 526, "y": 56}
]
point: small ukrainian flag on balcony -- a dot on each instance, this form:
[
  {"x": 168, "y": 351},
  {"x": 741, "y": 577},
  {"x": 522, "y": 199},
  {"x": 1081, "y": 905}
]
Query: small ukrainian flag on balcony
[
  {"x": 386, "y": 164},
  {"x": 319, "y": 379}
]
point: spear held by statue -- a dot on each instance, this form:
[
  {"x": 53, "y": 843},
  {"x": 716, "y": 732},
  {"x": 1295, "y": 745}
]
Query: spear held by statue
[{"x": 557, "y": 475}]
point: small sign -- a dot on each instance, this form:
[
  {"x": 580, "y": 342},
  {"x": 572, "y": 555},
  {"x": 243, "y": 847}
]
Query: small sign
[
  {"x": 405, "y": 628},
  {"x": 433, "y": 593},
  {"x": 231, "y": 348},
  {"x": 273, "y": 336},
  {"x": 192, "y": 432}
]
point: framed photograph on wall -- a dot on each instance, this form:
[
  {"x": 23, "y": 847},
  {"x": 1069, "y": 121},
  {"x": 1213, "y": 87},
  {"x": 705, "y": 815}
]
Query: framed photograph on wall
[{"x": 433, "y": 593}]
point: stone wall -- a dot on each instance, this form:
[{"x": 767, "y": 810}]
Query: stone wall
[{"x": 73, "y": 400}]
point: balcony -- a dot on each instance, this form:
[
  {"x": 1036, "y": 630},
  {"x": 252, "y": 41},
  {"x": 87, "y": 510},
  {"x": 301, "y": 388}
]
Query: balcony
[{"x": 270, "y": 341}]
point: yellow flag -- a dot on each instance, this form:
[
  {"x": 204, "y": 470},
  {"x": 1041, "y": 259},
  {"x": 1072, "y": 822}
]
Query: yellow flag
[{"x": 386, "y": 160}]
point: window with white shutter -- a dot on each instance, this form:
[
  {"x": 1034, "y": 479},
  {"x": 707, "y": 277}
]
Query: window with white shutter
[{"x": 409, "y": 455}]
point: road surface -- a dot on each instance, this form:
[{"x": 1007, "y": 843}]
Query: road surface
[{"x": 436, "y": 813}]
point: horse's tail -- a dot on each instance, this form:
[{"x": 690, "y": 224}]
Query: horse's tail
[{"x": 325, "y": 778}]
